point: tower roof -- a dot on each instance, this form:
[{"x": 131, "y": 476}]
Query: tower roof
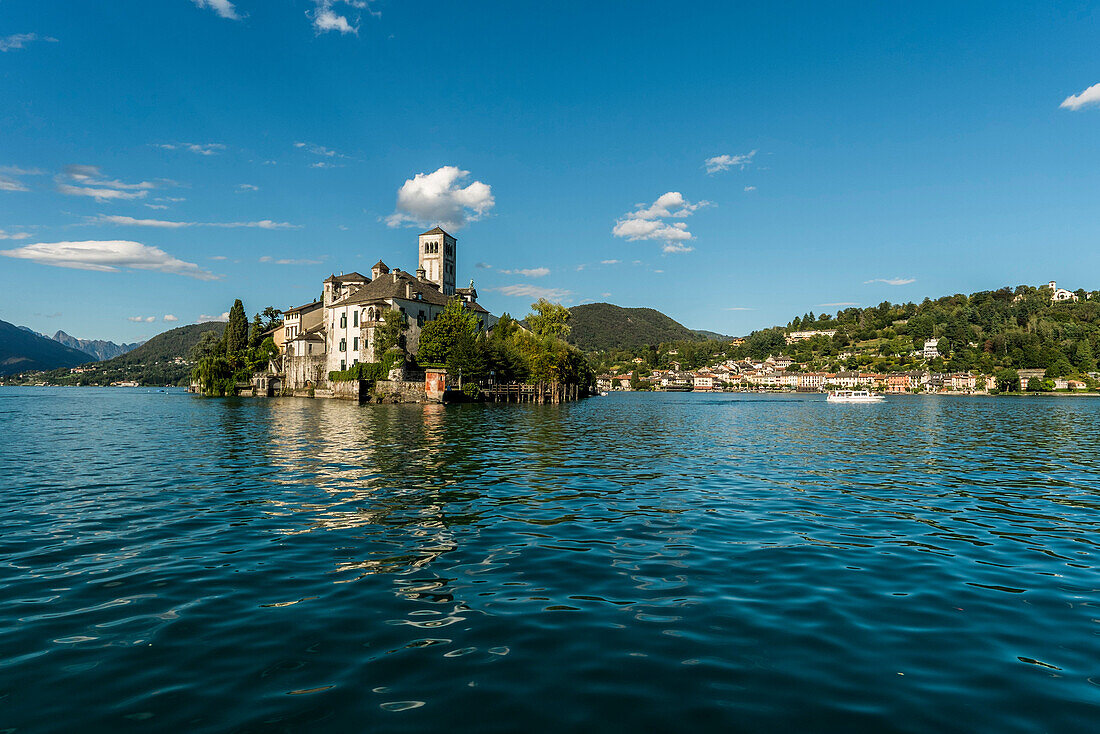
[
  {"x": 381, "y": 266},
  {"x": 436, "y": 230}
]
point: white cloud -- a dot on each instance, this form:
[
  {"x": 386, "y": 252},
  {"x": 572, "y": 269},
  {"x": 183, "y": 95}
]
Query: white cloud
[
  {"x": 167, "y": 224},
  {"x": 605, "y": 295},
  {"x": 529, "y": 272},
  {"x": 648, "y": 222},
  {"x": 107, "y": 256},
  {"x": 324, "y": 164},
  {"x": 725, "y": 162},
  {"x": 750, "y": 188},
  {"x": 14, "y": 235},
  {"x": 326, "y": 19},
  {"x": 534, "y": 291},
  {"x": 19, "y": 40},
  {"x": 224, "y": 8},
  {"x": 157, "y": 206},
  {"x": 437, "y": 198},
  {"x": 672, "y": 247},
  {"x": 142, "y": 319},
  {"x": 891, "y": 281},
  {"x": 1077, "y": 101},
  {"x": 79, "y": 180},
  {"x": 9, "y": 177},
  {"x": 269, "y": 259},
  {"x": 247, "y": 187},
  {"x": 483, "y": 266},
  {"x": 739, "y": 308},
  {"x": 170, "y": 317},
  {"x": 610, "y": 262},
  {"x": 319, "y": 150},
  {"x": 197, "y": 148},
  {"x": 219, "y": 257},
  {"x": 100, "y": 195},
  {"x": 840, "y": 303},
  {"x": 203, "y": 318}
]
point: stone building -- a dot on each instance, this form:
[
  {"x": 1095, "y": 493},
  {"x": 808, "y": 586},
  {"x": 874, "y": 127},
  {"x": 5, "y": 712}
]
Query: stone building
[{"x": 342, "y": 327}]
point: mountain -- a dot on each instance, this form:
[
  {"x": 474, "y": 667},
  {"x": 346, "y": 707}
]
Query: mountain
[
  {"x": 97, "y": 348},
  {"x": 169, "y": 345},
  {"x": 163, "y": 360},
  {"x": 22, "y": 349},
  {"x": 604, "y": 326}
]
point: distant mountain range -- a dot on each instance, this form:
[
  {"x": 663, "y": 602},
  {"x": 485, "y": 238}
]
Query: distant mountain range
[
  {"x": 97, "y": 348},
  {"x": 604, "y": 326},
  {"x": 22, "y": 349}
]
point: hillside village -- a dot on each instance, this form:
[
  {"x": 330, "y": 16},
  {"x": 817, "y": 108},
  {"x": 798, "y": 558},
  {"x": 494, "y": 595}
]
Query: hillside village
[{"x": 1030, "y": 339}]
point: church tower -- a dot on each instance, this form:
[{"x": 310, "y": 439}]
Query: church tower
[{"x": 437, "y": 259}]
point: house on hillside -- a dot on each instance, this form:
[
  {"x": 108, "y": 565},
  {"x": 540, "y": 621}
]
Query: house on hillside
[{"x": 1060, "y": 295}]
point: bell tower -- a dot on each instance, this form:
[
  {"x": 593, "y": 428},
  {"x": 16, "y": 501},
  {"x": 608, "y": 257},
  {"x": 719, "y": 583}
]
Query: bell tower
[{"x": 437, "y": 258}]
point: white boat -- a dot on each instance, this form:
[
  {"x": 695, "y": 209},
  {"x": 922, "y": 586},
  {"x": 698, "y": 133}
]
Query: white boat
[{"x": 853, "y": 396}]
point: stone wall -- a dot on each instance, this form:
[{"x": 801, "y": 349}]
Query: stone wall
[
  {"x": 393, "y": 391},
  {"x": 349, "y": 390}
]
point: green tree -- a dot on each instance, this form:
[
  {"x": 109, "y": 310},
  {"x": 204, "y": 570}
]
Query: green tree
[
  {"x": 1083, "y": 357},
  {"x": 256, "y": 332},
  {"x": 236, "y": 331},
  {"x": 439, "y": 336},
  {"x": 272, "y": 317},
  {"x": 390, "y": 333},
  {"x": 467, "y": 357},
  {"x": 1060, "y": 368},
  {"x": 549, "y": 319},
  {"x": 209, "y": 345},
  {"x": 1008, "y": 380},
  {"x": 1034, "y": 384}
]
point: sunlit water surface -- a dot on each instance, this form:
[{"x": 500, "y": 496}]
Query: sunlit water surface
[{"x": 634, "y": 562}]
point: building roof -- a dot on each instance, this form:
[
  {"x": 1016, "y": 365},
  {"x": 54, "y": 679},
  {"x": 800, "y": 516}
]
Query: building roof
[
  {"x": 351, "y": 277},
  {"x": 394, "y": 285},
  {"x": 303, "y": 307},
  {"x": 315, "y": 333},
  {"x": 381, "y": 266},
  {"x": 435, "y": 230}
]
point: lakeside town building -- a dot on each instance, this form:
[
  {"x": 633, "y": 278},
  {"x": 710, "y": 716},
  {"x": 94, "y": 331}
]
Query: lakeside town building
[{"x": 339, "y": 330}]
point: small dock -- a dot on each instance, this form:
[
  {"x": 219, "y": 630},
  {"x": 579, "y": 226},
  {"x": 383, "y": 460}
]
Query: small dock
[{"x": 532, "y": 393}]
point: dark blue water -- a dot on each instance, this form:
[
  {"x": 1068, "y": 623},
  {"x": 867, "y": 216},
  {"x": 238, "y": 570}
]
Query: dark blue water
[{"x": 635, "y": 562}]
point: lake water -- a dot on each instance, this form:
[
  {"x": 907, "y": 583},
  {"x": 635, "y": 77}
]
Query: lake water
[{"x": 674, "y": 562}]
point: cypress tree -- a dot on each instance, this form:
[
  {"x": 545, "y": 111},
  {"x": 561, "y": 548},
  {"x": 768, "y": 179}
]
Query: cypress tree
[
  {"x": 236, "y": 331},
  {"x": 256, "y": 332}
]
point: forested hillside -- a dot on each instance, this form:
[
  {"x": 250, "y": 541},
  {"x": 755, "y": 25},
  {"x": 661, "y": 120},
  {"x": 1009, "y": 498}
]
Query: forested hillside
[
  {"x": 603, "y": 326},
  {"x": 163, "y": 360},
  {"x": 1010, "y": 328},
  {"x": 169, "y": 345}
]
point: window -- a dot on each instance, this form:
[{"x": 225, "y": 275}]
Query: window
[
  {"x": 309, "y": 349},
  {"x": 355, "y": 344},
  {"x": 343, "y": 365},
  {"x": 343, "y": 346},
  {"x": 355, "y": 318},
  {"x": 343, "y": 321},
  {"x": 420, "y": 318}
]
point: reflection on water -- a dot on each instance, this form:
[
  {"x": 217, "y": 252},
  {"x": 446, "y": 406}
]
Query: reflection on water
[{"x": 656, "y": 562}]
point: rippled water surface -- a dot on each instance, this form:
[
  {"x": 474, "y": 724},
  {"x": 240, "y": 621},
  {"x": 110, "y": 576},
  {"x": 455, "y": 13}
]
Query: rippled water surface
[{"x": 635, "y": 562}]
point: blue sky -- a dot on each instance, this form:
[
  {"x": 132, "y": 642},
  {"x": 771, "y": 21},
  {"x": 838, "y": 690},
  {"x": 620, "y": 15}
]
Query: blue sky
[{"x": 194, "y": 151}]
